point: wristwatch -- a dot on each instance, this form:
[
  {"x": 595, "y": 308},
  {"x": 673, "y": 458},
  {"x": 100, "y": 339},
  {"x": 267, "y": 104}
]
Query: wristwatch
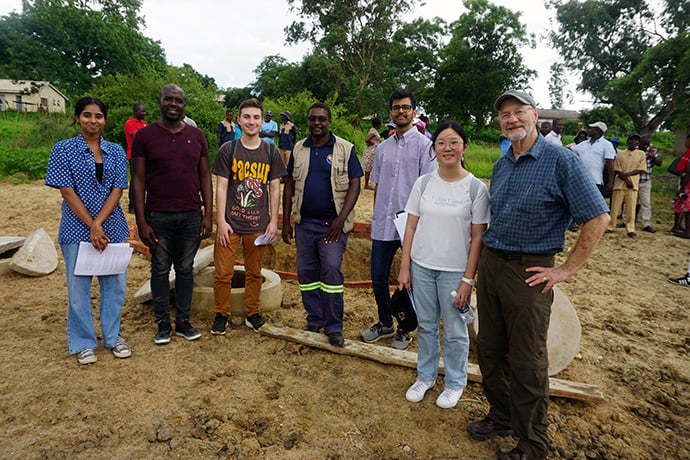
[{"x": 469, "y": 281}]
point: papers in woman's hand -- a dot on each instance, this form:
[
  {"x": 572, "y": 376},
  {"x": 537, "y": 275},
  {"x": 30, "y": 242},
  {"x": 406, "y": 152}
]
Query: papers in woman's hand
[{"x": 112, "y": 261}]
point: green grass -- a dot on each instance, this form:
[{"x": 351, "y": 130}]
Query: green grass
[
  {"x": 26, "y": 140},
  {"x": 480, "y": 159}
]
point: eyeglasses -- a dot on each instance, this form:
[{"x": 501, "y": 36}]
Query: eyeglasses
[
  {"x": 455, "y": 145},
  {"x": 321, "y": 119},
  {"x": 403, "y": 107},
  {"x": 503, "y": 116}
]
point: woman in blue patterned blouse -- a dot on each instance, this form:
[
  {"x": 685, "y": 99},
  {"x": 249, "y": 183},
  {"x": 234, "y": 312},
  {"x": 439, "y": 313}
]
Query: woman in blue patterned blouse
[{"x": 91, "y": 174}]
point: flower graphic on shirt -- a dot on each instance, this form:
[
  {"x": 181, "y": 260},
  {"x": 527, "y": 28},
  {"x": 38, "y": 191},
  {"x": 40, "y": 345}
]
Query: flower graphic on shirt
[{"x": 247, "y": 191}]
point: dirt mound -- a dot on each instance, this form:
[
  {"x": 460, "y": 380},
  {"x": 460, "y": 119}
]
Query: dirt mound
[{"x": 245, "y": 395}]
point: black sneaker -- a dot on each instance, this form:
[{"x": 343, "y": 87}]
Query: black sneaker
[
  {"x": 682, "y": 281},
  {"x": 219, "y": 323},
  {"x": 402, "y": 340},
  {"x": 164, "y": 331},
  {"x": 186, "y": 330},
  {"x": 254, "y": 322},
  {"x": 336, "y": 339},
  {"x": 376, "y": 332}
]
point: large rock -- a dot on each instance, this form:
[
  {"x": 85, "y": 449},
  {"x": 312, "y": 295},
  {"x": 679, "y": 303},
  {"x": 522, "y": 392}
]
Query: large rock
[
  {"x": 565, "y": 332},
  {"x": 38, "y": 256},
  {"x": 8, "y": 244},
  {"x": 203, "y": 259}
]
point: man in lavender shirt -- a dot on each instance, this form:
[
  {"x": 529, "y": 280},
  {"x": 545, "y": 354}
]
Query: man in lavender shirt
[{"x": 399, "y": 161}]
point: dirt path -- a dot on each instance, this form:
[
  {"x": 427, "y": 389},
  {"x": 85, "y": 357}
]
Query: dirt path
[{"x": 249, "y": 396}]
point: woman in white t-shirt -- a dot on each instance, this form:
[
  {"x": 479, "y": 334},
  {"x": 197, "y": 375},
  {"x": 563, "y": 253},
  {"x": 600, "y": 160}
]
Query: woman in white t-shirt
[{"x": 447, "y": 212}]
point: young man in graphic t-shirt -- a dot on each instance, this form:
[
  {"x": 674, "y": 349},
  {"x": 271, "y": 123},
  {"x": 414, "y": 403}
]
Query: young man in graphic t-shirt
[{"x": 248, "y": 173}]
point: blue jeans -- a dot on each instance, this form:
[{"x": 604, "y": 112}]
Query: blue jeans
[
  {"x": 431, "y": 291},
  {"x": 178, "y": 241},
  {"x": 81, "y": 332},
  {"x": 319, "y": 274},
  {"x": 382, "y": 254}
]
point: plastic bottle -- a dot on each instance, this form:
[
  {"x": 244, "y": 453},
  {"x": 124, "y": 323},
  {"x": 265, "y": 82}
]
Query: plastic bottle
[{"x": 466, "y": 311}]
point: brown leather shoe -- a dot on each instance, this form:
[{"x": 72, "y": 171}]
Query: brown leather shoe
[
  {"x": 486, "y": 428},
  {"x": 515, "y": 454}
]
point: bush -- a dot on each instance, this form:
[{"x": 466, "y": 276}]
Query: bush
[{"x": 32, "y": 162}]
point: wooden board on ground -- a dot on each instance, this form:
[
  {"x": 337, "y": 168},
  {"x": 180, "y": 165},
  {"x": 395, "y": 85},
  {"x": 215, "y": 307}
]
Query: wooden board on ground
[{"x": 386, "y": 355}]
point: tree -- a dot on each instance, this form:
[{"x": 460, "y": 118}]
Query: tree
[
  {"x": 557, "y": 81},
  {"x": 355, "y": 35},
  {"x": 481, "y": 60},
  {"x": 415, "y": 57},
  {"x": 627, "y": 54},
  {"x": 72, "y": 45},
  {"x": 120, "y": 92}
]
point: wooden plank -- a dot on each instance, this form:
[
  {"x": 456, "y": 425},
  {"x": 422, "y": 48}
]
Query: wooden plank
[{"x": 386, "y": 355}]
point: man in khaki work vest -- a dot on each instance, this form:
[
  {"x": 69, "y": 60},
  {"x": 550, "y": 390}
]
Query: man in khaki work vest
[{"x": 325, "y": 169}]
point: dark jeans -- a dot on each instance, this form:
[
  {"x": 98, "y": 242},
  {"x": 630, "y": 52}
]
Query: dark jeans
[
  {"x": 511, "y": 346},
  {"x": 382, "y": 254},
  {"x": 178, "y": 241}
]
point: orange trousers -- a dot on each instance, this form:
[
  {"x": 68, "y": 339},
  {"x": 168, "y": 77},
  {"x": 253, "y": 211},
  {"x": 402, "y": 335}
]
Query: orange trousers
[{"x": 224, "y": 261}]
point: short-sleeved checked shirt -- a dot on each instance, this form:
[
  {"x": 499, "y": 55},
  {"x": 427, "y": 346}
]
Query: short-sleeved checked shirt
[
  {"x": 72, "y": 165},
  {"x": 534, "y": 198}
]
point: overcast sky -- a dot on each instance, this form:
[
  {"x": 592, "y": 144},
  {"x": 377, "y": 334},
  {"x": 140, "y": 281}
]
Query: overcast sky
[{"x": 227, "y": 39}]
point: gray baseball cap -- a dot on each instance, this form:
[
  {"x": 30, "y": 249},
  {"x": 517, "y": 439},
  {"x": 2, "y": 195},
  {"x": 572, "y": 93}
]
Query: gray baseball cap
[{"x": 519, "y": 95}]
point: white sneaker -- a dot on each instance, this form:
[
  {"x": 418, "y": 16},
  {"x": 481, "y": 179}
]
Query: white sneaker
[
  {"x": 87, "y": 356},
  {"x": 449, "y": 398},
  {"x": 417, "y": 391},
  {"x": 121, "y": 349}
]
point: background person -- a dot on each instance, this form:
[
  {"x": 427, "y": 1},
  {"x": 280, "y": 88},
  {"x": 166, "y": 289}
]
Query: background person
[
  {"x": 597, "y": 154},
  {"x": 554, "y": 136},
  {"x": 269, "y": 128},
  {"x": 644, "y": 196},
  {"x": 681, "y": 204},
  {"x": 288, "y": 135},
  {"x": 372, "y": 141},
  {"x": 440, "y": 253},
  {"x": 628, "y": 166},
  {"x": 132, "y": 125},
  {"x": 226, "y": 128},
  {"x": 91, "y": 174}
]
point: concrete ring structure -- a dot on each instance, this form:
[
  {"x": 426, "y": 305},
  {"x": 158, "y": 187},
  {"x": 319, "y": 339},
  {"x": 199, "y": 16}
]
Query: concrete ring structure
[{"x": 270, "y": 298}]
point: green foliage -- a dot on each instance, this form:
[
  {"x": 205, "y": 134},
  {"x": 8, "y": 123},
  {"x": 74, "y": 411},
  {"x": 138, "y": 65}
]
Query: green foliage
[
  {"x": 481, "y": 60},
  {"x": 28, "y": 162},
  {"x": 120, "y": 92},
  {"x": 73, "y": 46},
  {"x": 615, "y": 119},
  {"x": 627, "y": 56},
  {"x": 298, "y": 105},
  {"x": 355, "y": 36}
]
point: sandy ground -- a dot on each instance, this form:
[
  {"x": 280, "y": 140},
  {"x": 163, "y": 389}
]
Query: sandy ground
[{"x": 246, "y": 396}]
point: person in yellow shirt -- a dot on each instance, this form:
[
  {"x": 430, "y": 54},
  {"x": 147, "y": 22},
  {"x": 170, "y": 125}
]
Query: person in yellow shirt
[{"x": 627, "y": 166}]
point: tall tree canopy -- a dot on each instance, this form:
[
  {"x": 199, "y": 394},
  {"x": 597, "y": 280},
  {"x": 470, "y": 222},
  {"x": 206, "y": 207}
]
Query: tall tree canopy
[
  {"x": 632, "y": 54},
  {"x": 481, "y": 60},
  {"x": 74, "y": 43},
  {"x": 356, "y": 35}
]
